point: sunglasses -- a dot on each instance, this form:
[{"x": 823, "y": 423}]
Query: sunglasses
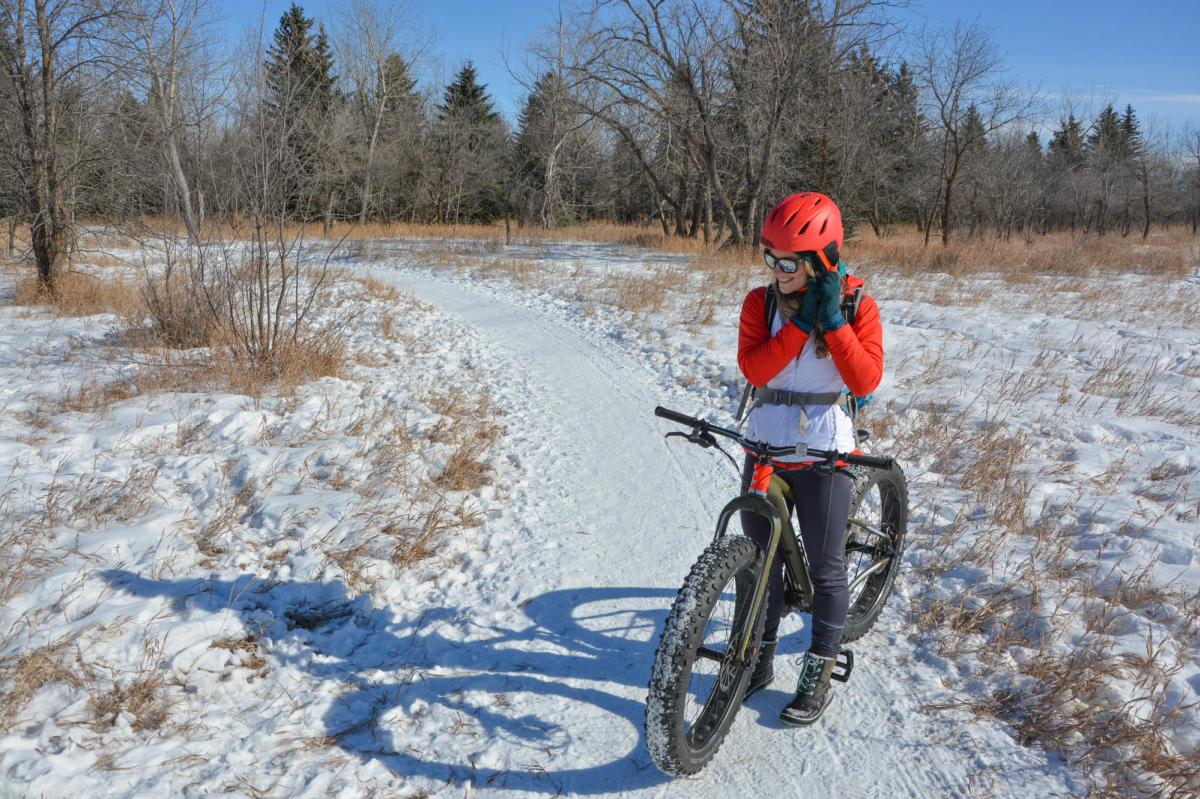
[{"x": 791, "y": 265}]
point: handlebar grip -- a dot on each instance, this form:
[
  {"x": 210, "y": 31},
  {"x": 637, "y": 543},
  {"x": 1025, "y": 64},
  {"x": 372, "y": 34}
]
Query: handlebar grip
[
  {"x": 676, "y": 416},
  {"x": 874, "y": 461}
]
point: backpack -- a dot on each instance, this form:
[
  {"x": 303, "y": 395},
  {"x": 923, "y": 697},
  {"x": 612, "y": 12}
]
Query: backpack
[{"x": 849, "y": 309}]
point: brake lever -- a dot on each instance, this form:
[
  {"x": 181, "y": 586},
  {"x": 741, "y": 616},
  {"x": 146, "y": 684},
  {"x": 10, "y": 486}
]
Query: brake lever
[{"x": 704, "y": 439}]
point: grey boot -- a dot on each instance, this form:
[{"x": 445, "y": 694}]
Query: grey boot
[
  {"x": 812, "y": 691},
  {"x": 764, "y": 672}
]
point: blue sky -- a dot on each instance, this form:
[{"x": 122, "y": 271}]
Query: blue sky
[
  {"x": 1144, "y": 53},
  {"x": 1093, "y": 51}
]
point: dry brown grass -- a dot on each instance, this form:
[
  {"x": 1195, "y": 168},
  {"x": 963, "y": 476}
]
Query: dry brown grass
[
  {"x": 1029, "y": 582},
  {"x": 406, "y": 511},
  {"x": 162, "y": 371},
  {"x": 140, "y": 696},
  {"x": 468, "y": 426},
  {"x": 25, "y": 549},
  {"x": 1171, "y": 253},
  {"x": 1060, "y": 695},
  {"x": 82, "y": 294},
  {"x": 28, "y": 672},
  {"x": 642, "y": 236},
  {"x": 249, "y": 652},
  {"x": 640, "y": 293}
]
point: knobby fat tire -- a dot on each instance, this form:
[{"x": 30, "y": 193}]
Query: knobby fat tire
[
  {"x": 893, "y": 491},
  {"x": 675, "y": 750}
]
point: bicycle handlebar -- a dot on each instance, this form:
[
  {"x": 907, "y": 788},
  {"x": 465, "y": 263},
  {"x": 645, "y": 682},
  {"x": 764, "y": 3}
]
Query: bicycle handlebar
[
  {"x": 764, "y": 450},
  {"x": 676, "y": 416}
]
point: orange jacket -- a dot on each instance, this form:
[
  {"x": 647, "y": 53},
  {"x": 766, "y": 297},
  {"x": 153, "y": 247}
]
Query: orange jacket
[{"x": 857, "y": 350}]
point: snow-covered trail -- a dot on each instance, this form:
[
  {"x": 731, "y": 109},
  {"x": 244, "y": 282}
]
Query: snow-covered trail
[{"x": 542, "y": 648}]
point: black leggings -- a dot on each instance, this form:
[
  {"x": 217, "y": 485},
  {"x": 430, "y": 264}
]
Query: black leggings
[{"x": 822, "y": 508}]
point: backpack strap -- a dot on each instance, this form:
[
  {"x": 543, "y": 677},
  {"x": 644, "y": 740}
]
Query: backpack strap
[
  {"x": 849, "y": 309},
  {"x": 849, "y": 306},
  {"x": 770, "y": 303}
]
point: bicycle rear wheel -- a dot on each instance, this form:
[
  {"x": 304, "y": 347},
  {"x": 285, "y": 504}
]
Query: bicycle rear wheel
[
  {"x": 875, "y": 536},
  {"x": 697, "y": 682}
]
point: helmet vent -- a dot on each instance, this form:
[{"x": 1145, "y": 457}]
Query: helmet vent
[
  {"x": 801, "y": 231},
  {"x": 816, "y": 202},
  {"x": 824, "y": 225},
  {"x": 790, "y": 218}
]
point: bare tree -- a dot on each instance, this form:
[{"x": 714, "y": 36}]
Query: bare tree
[
  {"x": 557, "y": 149},
  {"x": 958, "y": 69},
  {"x": 1191, "y": 147},
  {"x": 55, "y": 59},
  {"x": 169, "y": 46},
  {"x": 719, "y": 81},
  {"x": 1153, "y": 170}
]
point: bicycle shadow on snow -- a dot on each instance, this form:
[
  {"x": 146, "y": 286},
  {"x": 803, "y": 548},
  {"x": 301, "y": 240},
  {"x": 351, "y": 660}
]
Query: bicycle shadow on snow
[{"x": 393, "y": 673}]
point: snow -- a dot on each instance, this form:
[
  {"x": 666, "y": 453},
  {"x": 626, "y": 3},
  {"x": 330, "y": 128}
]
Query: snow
[{"x": 515, "y": 660}]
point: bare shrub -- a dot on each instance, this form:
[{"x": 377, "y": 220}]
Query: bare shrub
[{"x": 176, "y": 309}]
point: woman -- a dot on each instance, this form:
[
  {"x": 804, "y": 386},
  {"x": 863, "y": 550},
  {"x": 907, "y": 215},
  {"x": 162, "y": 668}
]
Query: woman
[{"x": 797, "y": 360}]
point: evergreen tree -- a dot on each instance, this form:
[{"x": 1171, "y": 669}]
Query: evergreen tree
[
  {"x": 1067, "y": 146},
  {"x": 471, "y": 145},
  {"x": 299, "y": 66},
  {"x": 906, "y": 138},
  {"x": 300, "y": 102},
  {"x": 402, "y": 96},
  {"x": 974, "y": 167},
  {"x": 1107, "y": 154},
  {"x": 555, "y": 161},
  {"x": 466, "y": 100},
  {"x": 1105, "y": 142},
  {"x": 973, "y": 133},
  {"x": 1131, "y": 134}
]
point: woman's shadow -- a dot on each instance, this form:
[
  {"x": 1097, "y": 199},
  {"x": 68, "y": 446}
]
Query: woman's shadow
[{"x": 570, "y": 647}]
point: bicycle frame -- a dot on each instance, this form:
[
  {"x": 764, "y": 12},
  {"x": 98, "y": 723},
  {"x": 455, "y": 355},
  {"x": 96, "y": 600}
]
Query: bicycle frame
[
  {"x": 771, "y": 504},
  {"x": 767, "y": 496}
]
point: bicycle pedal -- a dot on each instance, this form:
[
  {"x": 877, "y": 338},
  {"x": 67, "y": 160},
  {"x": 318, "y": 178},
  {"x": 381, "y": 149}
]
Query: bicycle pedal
[{"x": 843, "y": 666}]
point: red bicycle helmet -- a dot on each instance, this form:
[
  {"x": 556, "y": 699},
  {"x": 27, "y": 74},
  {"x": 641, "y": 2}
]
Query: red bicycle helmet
[{"x": 805, "y": 222}]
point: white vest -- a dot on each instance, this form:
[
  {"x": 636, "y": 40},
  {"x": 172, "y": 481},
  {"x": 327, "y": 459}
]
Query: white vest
[{"x": 779, "y": 425}]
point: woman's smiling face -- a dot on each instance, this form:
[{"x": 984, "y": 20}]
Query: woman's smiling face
[{"x": 789, "y": 282}]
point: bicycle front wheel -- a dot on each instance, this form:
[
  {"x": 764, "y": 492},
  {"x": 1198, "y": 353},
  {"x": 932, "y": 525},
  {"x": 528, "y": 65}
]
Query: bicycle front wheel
[
  {"x": 698, "y": 679},
  {"x": 875, "y": 538}
]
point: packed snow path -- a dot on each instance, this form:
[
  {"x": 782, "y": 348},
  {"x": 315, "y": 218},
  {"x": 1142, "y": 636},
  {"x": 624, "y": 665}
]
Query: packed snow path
[{"x": 540, "y": 651}]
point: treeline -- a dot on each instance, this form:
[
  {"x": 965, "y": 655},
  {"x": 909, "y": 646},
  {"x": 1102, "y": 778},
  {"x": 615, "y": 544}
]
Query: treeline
[{"x": 695, "y": 114}]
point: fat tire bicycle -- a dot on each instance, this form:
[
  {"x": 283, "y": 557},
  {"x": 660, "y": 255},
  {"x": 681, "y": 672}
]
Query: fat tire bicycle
[{"x": 710, "y": 641}]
